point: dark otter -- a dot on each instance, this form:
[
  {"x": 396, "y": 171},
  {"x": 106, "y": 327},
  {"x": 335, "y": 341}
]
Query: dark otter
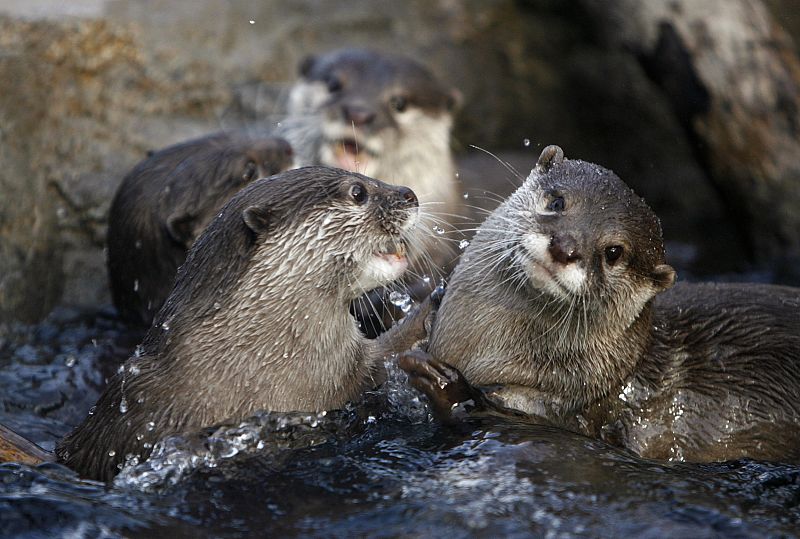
[
  {"x": 258, "y": 318},
  {"x": 164, "y": 203},
  {"x": 555, "y": 302},
  {"x": 386, "y": 116}
]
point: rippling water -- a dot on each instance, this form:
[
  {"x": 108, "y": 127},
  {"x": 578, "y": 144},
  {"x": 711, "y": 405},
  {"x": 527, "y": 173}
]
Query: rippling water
[{"x": 380, "y": 468}]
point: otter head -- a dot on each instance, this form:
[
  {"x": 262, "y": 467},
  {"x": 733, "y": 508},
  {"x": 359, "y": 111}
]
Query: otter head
[
  {"x": 343, "y": 231},
  {"x": 228, "y": 163},
  {"x": 586, "y": 240},
  {"x": 371, "y": 105}
]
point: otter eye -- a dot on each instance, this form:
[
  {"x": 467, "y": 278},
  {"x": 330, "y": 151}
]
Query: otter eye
[
  {"x": 334, "y": 84},
  {"x": 557, "y": 205},
  {"x": 358, "y": 193},
  {"x": 398, "y": 103},
  {"x": 613, "y": 254},
  {"x": 250, "y": 170}
]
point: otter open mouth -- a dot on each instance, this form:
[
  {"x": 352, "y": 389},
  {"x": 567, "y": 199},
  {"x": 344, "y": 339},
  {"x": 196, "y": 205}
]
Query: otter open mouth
[
  {"x": 350, "y": 154},
  {"x": 389, "y": 262}
]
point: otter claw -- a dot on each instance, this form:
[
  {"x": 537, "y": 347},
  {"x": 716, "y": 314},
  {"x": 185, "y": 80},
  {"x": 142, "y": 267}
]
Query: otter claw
[{"x": 444, "y": 386}]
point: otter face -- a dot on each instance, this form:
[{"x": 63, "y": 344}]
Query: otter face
[
  {"x": 369, "y": 104},
  {"x": 383, "y": 219},
  {"x": 584, "y": 238},
  {"x": 332, "y": 230}
]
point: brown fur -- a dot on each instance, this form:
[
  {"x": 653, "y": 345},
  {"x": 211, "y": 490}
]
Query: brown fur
[
  {"x": 700, "y": 372},
  {"x": 258, "y": 317},
  {"x": 164, "y": 203}
]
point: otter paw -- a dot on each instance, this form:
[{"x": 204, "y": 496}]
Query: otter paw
[{"x": 448, "y": 392}]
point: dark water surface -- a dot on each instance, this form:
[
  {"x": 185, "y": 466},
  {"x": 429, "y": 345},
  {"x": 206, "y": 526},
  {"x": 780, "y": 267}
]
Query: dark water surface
[{"x": 381, "y": 468}]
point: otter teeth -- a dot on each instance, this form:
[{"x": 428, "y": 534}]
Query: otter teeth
[{"x": 398, "y": 250}]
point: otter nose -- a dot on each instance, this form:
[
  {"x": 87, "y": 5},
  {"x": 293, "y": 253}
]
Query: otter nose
[
  {"x": 564, "y": 249},
  {"x": 358, "y": 114},
  {"x": 409, "y": 196}
]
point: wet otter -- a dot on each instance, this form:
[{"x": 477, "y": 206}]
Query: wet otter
[
  {"x": 164, "y": 203},
  {"x": 385, "y": 116},
  {"x": 558, "y": 301},
  {"x": 258, "y": 317}
]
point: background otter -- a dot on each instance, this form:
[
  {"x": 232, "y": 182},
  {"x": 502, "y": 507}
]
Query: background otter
[
  {"x": 164, "y": 203},
  {"x": 555, "y": 302},
  {"x": 388, "y": 117},
  {"x": 258, "y": 317}
]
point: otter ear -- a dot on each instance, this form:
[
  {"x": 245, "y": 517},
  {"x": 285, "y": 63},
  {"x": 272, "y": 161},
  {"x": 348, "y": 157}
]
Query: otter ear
[
  {"x": 550, "y": 156},
  {"x": 663, "y": 276},
  {"x": 256, "y": 218},
  {"x": 454, "y": 100},
  {"x": 305, "y": 65},
  {"x": 180, "y": 227}
]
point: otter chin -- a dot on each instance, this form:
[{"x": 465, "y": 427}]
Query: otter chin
[
  {"x": 258, "y": 317},
  {"x": 564, "y": 308}
]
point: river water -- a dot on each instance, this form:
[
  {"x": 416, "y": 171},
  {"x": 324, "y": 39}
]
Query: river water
[{"x": 381, "y": 468}]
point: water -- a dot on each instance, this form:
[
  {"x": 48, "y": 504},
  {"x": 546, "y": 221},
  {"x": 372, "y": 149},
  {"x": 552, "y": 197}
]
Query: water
[{"x": 380, "y": 468}]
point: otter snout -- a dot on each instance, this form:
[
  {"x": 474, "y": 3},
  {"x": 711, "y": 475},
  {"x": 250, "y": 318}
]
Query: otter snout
[
  {"x": 563, "y": 249},
  {"x": 409, "y": 196},
  {"x": 357, "y": 114}
]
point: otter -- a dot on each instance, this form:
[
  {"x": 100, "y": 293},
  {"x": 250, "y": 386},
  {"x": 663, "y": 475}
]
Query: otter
[
  {"x": 563, "y": 307},
  {"x": 164, "y": 203},
  {"x": 386, "y": 116},
  {"x": 258, "y": 318}
]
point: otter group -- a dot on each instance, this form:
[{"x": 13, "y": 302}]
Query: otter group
[{"x": 562, "y": 308}]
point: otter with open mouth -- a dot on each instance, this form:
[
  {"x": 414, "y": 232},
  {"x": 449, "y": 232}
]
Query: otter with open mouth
[
  {"x": 258, "y": 318},
  {"x": 560, "y": 309},
  {"x": 388, "y": 117}
]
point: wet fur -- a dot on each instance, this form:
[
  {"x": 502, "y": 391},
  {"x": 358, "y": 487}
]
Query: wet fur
[
  {"x": 164, "y": 203},
  {"x": 699, "y": 372},
  {"x": 257, "y": 320}
]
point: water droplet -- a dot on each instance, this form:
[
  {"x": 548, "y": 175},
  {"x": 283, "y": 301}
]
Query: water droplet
[
  {"x": 121, "y": 369},
  {"x": 151, "y": 426},
  {"x": 140, "y": 437},
  {"x": 401, "y": 300},
  {"x": 136, "y": 285},
  {"x": 123, "y": 406},
  {"x": 92, "y": 409},
  {"x": 466, "y": 196},
  {"x": 526, "y": 142},
  {"x": 426, "y": 279},
  {"x": 112, "y": 453},
  {"x": 439, "y": 230},
  {"x": 463, "y": 244},
  {"x": 165, "y": 325},
  {"x": 70, "y": 361},
  {"x": 286, "y": 354},
  {"x": 217, "y": 306},
  {"x": 134, "y": 369},
  {"x": 252, "y": 22}
]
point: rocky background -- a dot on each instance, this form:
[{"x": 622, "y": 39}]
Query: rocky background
[{"x": 658, "y": 91}]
